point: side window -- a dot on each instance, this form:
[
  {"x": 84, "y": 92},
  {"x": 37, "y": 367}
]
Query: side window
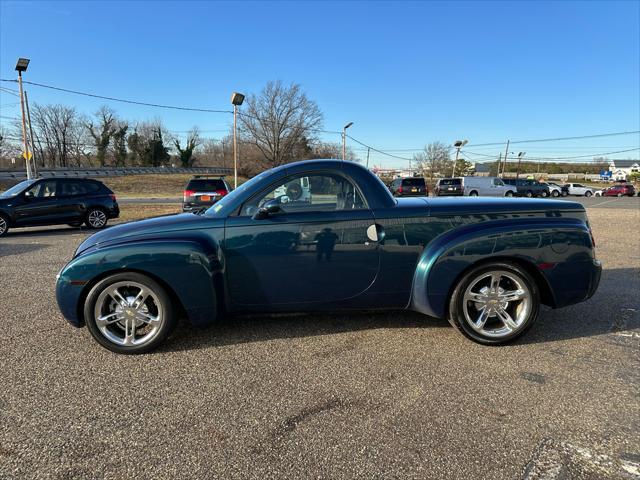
[
  {"x": 71, "y": 188},
  {"x": 309, "y": 193},
  {"x": 497, "y": 181},
  {"x": 44, "y": 189}
]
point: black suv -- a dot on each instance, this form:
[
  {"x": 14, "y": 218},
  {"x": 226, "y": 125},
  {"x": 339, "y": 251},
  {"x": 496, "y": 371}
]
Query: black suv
[
  {"x": 201, "y": 192},
  {"x": 51, "y": 201},
  {"x": 528, "y": 188},
  {"x": 409, "y": 186},
  {"x": 448, "y": 187}
]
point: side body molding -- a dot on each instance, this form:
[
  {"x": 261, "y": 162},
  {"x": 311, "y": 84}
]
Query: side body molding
[
  {"x": 190, "y": 267},
  {"x": 551, "y": 241}
]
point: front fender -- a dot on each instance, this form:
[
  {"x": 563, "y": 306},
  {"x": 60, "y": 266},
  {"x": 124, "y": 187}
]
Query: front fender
[
  {"x": 186, "y": 266},
  {"x": 554, "y": 242}
]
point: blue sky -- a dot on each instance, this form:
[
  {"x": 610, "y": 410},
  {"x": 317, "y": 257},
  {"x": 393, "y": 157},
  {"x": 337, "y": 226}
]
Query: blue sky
[{"x": 406, "y": 73}]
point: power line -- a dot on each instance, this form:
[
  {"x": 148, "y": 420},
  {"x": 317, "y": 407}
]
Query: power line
[
  {"x": 561, "y": 158},
  {"x": 379, "y": 151},
  {"x": 114, "y": 99},
  {"x": 597, "y": 135}
]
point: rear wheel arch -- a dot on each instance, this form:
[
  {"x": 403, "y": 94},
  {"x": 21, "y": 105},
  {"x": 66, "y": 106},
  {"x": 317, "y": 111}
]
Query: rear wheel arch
[{"x": 546, "y": 295}]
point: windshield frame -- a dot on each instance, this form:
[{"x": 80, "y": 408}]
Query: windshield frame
[
  {"x": 219, "y": 209},
  {"x": 17, "y": 189}
]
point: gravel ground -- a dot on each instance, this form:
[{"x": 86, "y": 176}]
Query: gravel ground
[{"x": 332, "y": 396}]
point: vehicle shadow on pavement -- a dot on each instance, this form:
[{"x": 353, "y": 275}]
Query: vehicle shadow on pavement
[
  {"x": 7, "y": 249},
  {"x": 46, "y": 231},
  {"x": 598, "y": 316},
  {"x": 615, "y": 307},
  {"x": 260, "y": 328}
]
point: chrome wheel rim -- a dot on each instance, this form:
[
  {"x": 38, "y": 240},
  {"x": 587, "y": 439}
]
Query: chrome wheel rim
[
  {"x": 3, "y": 225},
  {"x": 128, "y": 314},
  {"x": 97, "y": 218},
  {"x": 497, "y": 304}
]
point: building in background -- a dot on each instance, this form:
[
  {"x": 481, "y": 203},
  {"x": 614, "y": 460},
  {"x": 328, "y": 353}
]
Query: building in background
[{"x": 621, "y": 169}]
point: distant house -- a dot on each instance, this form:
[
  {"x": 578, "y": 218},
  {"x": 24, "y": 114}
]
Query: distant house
[
  {"x": 481, "y": 169},
  {"x": 621, "y": 169}
]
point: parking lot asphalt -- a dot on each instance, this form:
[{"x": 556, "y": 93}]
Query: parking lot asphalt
[{"x": 362, "y": 395}]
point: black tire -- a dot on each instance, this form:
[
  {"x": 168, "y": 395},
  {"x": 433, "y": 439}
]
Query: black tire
[
  {"x": 96, "y": 213},
  {"x": 587, "y": 193},
  {"x": 4, "y": 225},
  {"x": 169, "y": 316},
  {"x": 473, "y": 193},
  {"x": 555, "y": 193},
  {"x": 509, "y": 194},
  {"x": 544, "y": 194},
  {"x": 529, "y": 194},
  {"x": 458, "y": 319}
]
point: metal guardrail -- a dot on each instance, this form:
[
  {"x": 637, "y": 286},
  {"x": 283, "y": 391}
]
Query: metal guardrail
[{"x": 113, "y": 172}]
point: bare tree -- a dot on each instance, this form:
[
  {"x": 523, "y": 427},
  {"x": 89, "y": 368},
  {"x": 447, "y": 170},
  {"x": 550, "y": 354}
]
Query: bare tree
[
  {"x": 59, "y": 135},
  {"x": 277, "y": 119},
  {"x": 120, "y": 144},
  {"x": 185, "y": 154},
  {"x": 102, "y": 131},
  {"x": 331, "y": 150},
  {"x": 434, "y": 159}
]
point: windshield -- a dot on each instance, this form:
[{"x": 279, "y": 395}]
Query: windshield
[
  {"x": 16, "y": 189},
  {"x": 230, "y": 198}
]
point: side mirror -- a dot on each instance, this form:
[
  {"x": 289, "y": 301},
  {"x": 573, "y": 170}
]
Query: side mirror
[
  {"x": 269, "y": 208},
  {"x": 28, "y": 194}
]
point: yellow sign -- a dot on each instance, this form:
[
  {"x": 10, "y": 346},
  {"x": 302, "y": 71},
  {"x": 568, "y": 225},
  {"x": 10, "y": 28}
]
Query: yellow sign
[{"x": 27, "y": 156}]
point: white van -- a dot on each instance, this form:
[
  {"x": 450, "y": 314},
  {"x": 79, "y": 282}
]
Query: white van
[{"x": 487, "y": 187}]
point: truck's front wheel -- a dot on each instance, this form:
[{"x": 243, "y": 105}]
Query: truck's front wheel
[{"x": 494, "y": 303}]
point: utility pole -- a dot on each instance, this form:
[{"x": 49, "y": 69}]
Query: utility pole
[
  {"x": 499, "y": 164},
  {"x": 368, "y": 151},
  {"x": 506, "y": 155},
  {"x": 21, "y": 66},
  {"x": 33, "y": 140}
]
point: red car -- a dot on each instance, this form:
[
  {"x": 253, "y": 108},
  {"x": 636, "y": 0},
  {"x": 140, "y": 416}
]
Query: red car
[{"x": 620, "y": 190}]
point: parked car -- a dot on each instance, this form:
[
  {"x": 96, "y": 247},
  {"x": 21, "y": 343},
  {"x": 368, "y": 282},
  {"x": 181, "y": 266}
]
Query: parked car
[
  {"x": 578, "y": 189},
  {"x": 486, "y": 187},
  {"x": 51, "y": 201},
  {"x": 486, "y": 264},
  {"x": 409, "y": 187},
  {"x": 203, "y": 191},
  {"x": 528, "y": 188},
  {"x": 555, "y": 190},
  {"x": 619, "y": 190},
  {"x": 448, "y": 187}
]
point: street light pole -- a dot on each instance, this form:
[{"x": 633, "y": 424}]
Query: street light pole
[
  {"x": 21, "y": 66},
  {"x": 458, "y": 144},
  {"x": 344, "y": 140},
  {"x": 520, "y": 155},
  {"x": 506, "y": 155},
  {"x": 236, "y": 100},
  {"x": 33, "y": 140}
]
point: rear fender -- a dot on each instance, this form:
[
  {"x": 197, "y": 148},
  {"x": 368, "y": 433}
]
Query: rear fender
[
  {"x": 537, "y": 242},
  {"x": 189, "y": 268}
]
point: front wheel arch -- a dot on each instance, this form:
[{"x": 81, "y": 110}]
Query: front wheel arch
[{"x": 175, "y": 300}]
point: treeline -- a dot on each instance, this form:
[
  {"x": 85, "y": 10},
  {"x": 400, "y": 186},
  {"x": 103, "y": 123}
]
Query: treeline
[{"x": 277, "y": 126}]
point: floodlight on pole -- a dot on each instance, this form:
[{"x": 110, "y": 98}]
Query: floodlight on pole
[
  {"x": 458, "y": 144},
  {"x": 236, "y": 100},
  {"x": 21, "y": 66},
  {"x": 344, "y": 140}
]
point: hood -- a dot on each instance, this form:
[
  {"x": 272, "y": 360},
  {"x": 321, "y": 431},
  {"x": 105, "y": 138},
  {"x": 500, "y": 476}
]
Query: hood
[{"x": 150, "y": 227}]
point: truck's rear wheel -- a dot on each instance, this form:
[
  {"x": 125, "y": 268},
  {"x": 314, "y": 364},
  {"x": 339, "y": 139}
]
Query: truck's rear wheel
[{"x": 494, "y": 303}]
